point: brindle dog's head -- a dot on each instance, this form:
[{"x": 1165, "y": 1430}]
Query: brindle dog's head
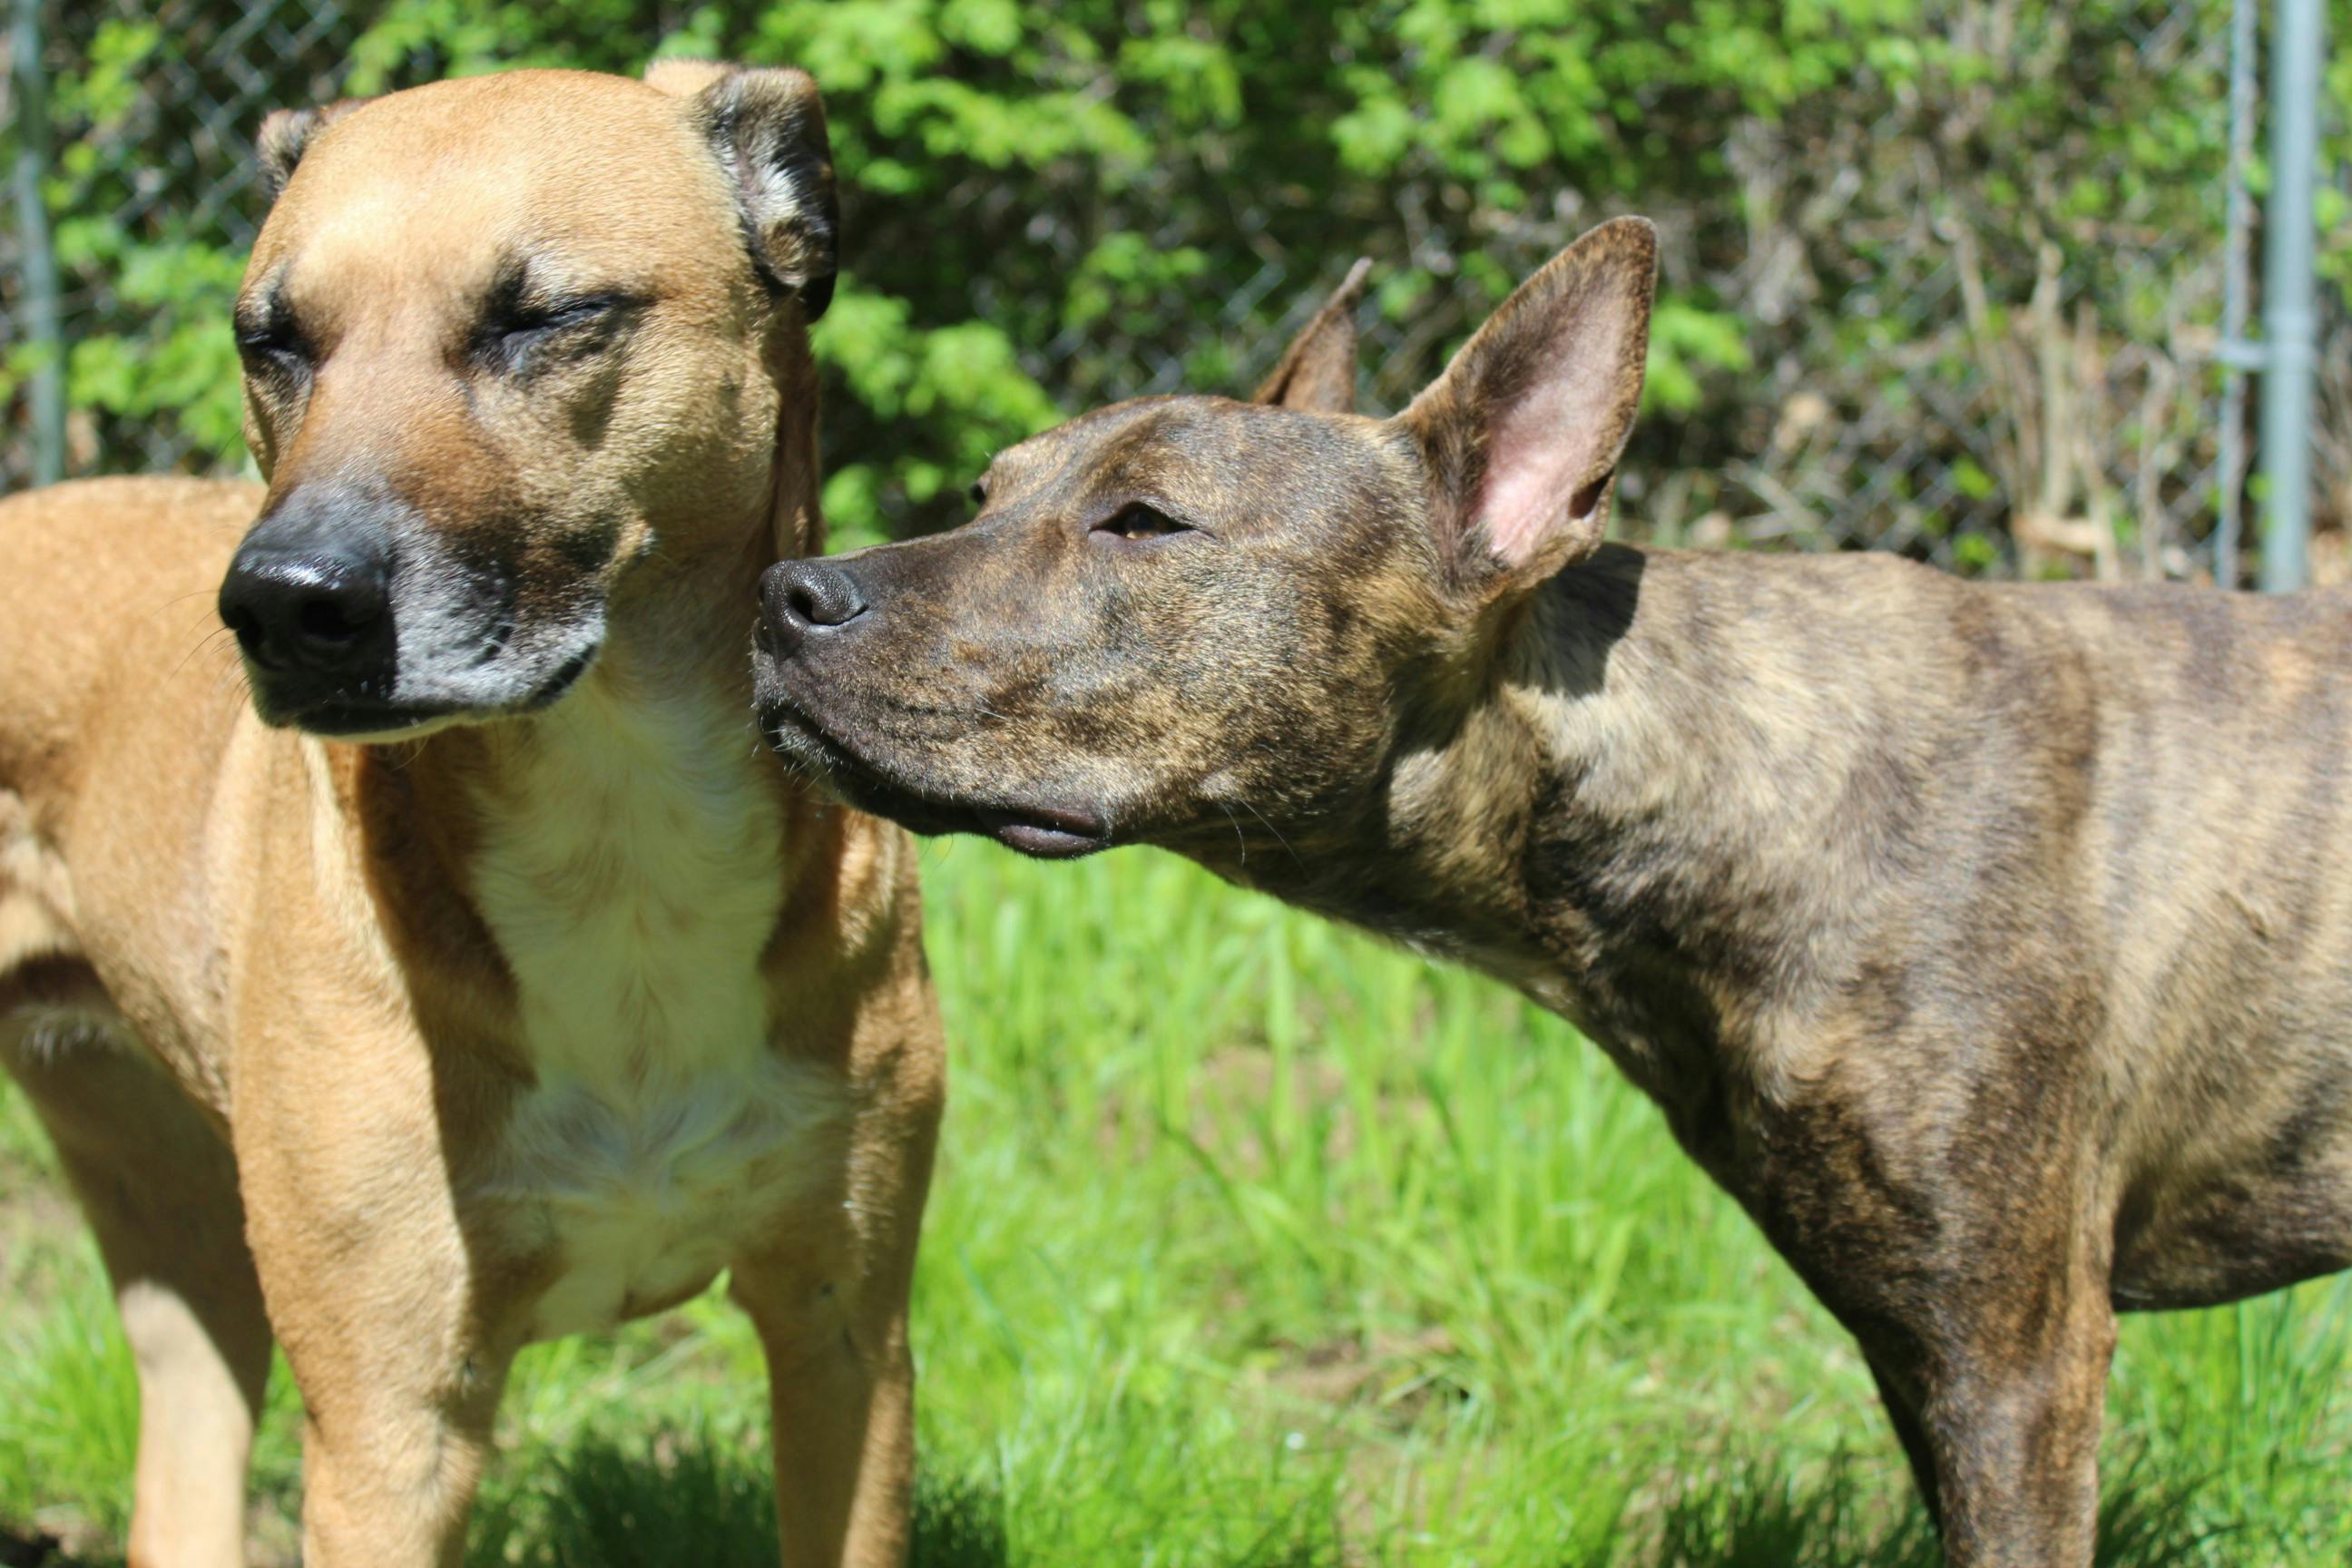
[
  {"x": 505, "y": 339},
  {"x": 1181, "y": 620}
]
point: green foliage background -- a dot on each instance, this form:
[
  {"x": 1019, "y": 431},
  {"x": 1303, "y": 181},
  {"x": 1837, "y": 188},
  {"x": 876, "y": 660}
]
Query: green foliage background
[{"x": 1049, "y": 204}]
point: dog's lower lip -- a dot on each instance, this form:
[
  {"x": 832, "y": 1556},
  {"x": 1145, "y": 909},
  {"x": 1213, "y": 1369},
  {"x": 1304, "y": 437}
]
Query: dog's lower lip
[
  {"x": 336, "y": 719},
  {"x": 1048, "y": 835}
]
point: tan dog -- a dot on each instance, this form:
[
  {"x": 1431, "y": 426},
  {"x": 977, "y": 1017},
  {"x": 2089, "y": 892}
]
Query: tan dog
[{"x": 538, "y": 996}]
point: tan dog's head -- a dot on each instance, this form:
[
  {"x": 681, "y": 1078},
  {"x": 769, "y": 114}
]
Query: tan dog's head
[
  {"x": 513, "y": 345},
  {"x": 1187, "y": 620}
]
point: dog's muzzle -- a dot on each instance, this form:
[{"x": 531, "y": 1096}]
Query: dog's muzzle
[{"x": 309, "y": 596}]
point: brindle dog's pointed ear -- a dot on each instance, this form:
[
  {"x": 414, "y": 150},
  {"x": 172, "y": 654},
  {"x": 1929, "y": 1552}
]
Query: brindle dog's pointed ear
[
  {"x": 1523, "y": 432},
  {"x": 1318, "y": 372},
  {"x": 767, "y": 128},
  {"x": 284, "y": 136}
]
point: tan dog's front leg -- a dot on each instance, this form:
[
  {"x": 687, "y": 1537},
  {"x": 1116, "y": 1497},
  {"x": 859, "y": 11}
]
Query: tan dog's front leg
[
  {"x": 841, "y": 1388},
  {"x": 388, "y": 1470},
  {"x": 380, "y": 1304}
]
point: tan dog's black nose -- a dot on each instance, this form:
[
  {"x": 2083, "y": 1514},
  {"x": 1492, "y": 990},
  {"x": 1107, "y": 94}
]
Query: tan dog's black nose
[
  {"x": 311, "y": 609},
  {"x": 308, "y": 595},
  {"x": 801, "y": 597}
]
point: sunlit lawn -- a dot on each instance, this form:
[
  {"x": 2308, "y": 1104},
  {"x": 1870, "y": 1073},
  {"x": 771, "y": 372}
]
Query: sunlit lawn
[{"x": 1255, "y": 1243}]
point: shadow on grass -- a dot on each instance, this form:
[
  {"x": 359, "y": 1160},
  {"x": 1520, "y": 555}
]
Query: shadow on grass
[
  {"x": 691, "y": 1499},
  {"x": 1752, "y": 1513},
  {"x": 687, "y": 1499},
  {"x": 21, "y": 1546},
  {"x": 1755, "y": 1513}
]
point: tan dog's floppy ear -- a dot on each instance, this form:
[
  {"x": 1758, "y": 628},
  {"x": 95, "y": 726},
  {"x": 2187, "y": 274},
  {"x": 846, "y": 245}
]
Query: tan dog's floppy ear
[
  {"x": 1523, "y": 432},
  {"x": 682, "y": 78},
  {"x": 767, "y": 128},
  {"x": 286, "y": 133},
  {"x": 1318, "y": 372}
]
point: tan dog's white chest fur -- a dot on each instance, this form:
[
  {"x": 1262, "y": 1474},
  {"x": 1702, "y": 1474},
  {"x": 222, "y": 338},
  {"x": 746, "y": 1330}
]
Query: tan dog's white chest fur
[{"x": 631, "y": 884}]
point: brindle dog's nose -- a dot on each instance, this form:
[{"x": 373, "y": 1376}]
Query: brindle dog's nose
[{"x": 805, "y": 597}]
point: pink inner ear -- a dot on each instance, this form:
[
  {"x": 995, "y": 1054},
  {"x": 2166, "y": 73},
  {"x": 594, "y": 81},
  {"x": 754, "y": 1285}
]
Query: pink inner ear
[
  {"x": 1525, "y": 427},
  {"x": 1537, "y": 458}
]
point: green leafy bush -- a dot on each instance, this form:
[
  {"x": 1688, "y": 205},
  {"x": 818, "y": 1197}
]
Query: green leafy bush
[{"x": 1051, "y": 204}]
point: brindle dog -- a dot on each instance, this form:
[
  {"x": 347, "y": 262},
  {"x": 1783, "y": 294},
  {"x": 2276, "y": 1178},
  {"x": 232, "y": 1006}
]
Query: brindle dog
[{"x": 1992, "y": 945}]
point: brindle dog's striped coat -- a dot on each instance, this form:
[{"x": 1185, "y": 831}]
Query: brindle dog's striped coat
[{"x": 1992, "y": 945}]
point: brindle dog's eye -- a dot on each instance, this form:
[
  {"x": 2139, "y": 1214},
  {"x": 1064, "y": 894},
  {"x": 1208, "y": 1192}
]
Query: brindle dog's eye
[
  {"x": 1140, "y": 522},
  {"x": 979, "y": 493}
]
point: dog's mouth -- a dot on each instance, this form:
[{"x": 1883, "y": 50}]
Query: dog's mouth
[
  {"x": 1047, "y": 833},
  {"x": 363, "y": 721},
  {"x": 367, "y": 722}
]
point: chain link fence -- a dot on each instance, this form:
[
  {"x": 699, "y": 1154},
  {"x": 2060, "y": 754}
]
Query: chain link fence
[
  {"x": 150, "y": 195},
  {"x": 1974, "y": 330}
]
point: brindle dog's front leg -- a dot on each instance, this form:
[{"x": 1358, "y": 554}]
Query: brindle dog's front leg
[
  {"x": 2015, "y": 1432},
  {"x": 1976, "y": 1280},
  {"x": 1998, "y": 1406}
]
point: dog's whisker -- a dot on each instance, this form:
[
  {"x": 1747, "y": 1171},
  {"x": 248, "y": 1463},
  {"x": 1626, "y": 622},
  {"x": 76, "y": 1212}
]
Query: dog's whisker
[
  {"x": 1278, "y": 839},
  {"x": 201, "y": 645},
  {"x": 1241, "y": 841}
]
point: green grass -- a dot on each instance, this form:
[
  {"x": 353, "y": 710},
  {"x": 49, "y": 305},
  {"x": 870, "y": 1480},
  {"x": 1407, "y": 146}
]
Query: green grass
[{"x": 1255, "y": 1243}]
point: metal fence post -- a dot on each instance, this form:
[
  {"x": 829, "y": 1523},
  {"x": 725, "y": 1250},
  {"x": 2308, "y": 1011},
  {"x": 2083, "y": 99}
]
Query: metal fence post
[
  {"x": 2237, "y": 356},
  {"x": 47, "y": 388},
  {"x": 2289, "y": 319}
]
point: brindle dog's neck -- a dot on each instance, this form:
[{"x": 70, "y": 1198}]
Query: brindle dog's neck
[{"x": 1623, "y": 818}]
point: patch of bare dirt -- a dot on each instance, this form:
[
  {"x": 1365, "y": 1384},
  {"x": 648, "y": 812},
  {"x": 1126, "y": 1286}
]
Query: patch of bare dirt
[{"x": 1392, "y": 1376}]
